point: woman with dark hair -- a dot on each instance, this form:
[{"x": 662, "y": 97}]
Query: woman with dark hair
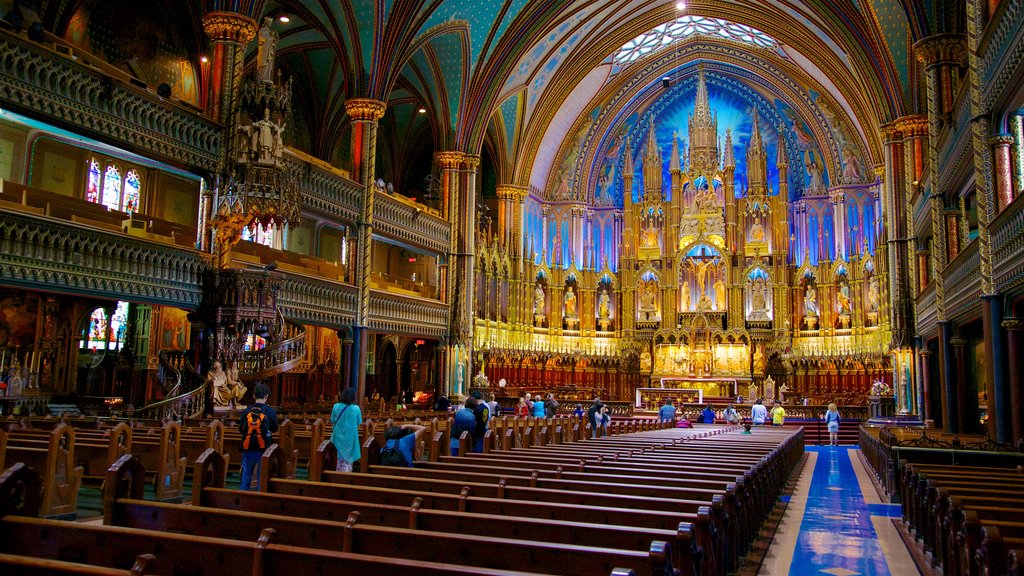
[{"x": 346, "y": 418}]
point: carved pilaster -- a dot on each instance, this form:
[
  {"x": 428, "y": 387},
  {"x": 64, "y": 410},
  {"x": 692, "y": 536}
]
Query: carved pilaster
[
  {"x": 229, "y": 33},
  {"x": 982, "y": 131},
  {"x": 365, "y": 114}
]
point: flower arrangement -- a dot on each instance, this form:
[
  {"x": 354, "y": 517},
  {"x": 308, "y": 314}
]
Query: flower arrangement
[
  {"x": 880, "y": 388},
  {"x": 481, "y": 380}
]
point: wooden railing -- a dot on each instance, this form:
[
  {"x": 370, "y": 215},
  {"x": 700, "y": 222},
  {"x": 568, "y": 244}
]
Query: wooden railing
[
  {"x": 183, "y": 387},
  {"x": 275, "y": 358}
]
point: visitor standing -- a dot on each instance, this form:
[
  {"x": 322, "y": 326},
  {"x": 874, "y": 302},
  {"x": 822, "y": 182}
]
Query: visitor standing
[
  {"x": 778, "y": 414},
  {"x": 481, "y": 417},
  {"x": 345, "y": 419},
  {"x": 257, "y": 425},
  {"x": 758, "y": 413},
  {"x": 832, "y": 422},
  {"x": 464, "y": 421}
]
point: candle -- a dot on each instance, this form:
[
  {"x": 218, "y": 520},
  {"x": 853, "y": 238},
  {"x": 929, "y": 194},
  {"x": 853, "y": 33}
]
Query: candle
[{"x": 3, "y": 357}]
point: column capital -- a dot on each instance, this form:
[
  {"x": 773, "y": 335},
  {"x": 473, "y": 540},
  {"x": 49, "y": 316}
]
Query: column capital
[
  {"x": 912, "y": 125},
  {"x": 470, "y": 162},
  {"x": 512, "y": 192},
  {"x": 958, "y": 341},
  {"x": 449, "y": 160},
  {"x": 1001, "y": 140},
  {"x": 942, "y": 49},
  {"x": 365, "y": 109},
  {"x": 1013, "y": 324},
  {"x": 229, "y": 27},
  {"x": 924, "y": 352}
]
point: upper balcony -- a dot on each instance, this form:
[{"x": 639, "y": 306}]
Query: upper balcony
[
  {"x": 1008, "y": 247},
  {"x": 962, "y": 283}
]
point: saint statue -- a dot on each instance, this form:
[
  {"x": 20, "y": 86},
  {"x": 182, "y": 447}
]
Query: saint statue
[
  {"x": 851, "y": 169},
  {"x": 757, "y": 232},
  {"x": 651, "y": 235},
  {"x": 604, "y": 303},
  {"x": 758, "y": 296},
  {"x": 685, "y": 304},
  {"x": 873, "y": 294},
  {"x": 720, "y": 294},
  {"x": 570, "y": 303},
  {"x": 538, "y": 300},
  {"x": 647, "y": 298},
  {"x": 263, "y": 136},
  {"x": 758, "y": 360},
  {"x": 843, "y": 305},
  {"x": 814, "y": 170},
  {"x": 810, "y": 301},
  {"x": 265, "y": 51},
  {"x": 227, "y": 388}
]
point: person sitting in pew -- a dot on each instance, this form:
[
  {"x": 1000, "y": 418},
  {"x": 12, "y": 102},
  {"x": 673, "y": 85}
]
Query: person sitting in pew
[
  {"x": 667, "y": 412},
  {"x": 464, "y": 421},
  {"x": 257, "y": 425},
  {"x": 707, "y": 415},
  {"x": 402, "y": 445}
]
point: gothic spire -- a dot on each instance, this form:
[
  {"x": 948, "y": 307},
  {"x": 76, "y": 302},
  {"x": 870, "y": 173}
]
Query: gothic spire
[
  {"x": 701, "y": 108},
  {"x": 627, "y": 162},
  {"x": 783, "y": 158},
  {"x": 674, "y": 161},
  {"x": 730, "y": 161}
]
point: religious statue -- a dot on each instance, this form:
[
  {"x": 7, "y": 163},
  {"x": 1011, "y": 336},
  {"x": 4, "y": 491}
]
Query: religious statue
[
  {"x": 604, "y": 303},
  {"x": 265, "y": 51},
  {"x": 810, "y": 301},
  {"x": 843, "y": 305},
  {"x": 685, "y": 304},
  {"x": 538, "y": 300},
  {"x": 758, "y": 360},
  {"x": 15, "y": 379},
  {"x": 263, "y": 139},
  {"x": 227, "y": 388},
  {"x": 720, "y": 294},
  {"x": 759, "y": 300},
  {"x": 814, "y": 170},
  {"x": 556, "y": 249},
  {"x": 245, "y": 140},
  {"x": 647, "y": 299},
  {"x": 873, "y": 294},
  {"x": 278, "y": 143},
  {"x": 570, "y": 303},
  {"x": 757, "y": 232},
  {"x": 651, "y": 235}
]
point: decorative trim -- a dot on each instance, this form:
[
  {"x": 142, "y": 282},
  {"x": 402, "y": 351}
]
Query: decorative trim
[
  {"x": 364, "y": 109},
  {"x": 229, "y": 27}
]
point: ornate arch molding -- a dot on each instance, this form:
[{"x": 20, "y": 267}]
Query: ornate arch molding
[{"x": 734, "y": 67}]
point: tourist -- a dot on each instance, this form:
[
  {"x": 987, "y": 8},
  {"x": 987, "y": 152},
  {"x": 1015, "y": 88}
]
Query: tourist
[
  {"x": 593, "y": 413},
  {"x": 758, "y": 413},
  {"x": 778, "y": 414},
  {"x": 667, "y": 413},
  {"x": 464, "y": 421},
  {"x": 522, "y": 409},
  {"x": 551, "y": 406},
  {"x": 707, "y": 415},
  {"x": 538, "y": 408},
  {"x": 529, "y": 403},
  {"x": 832, "y": 422},
  {"x": 442, "y": 404},
  {"x": 481, "y": 418},
  {"x": 402, "y": 445},
  {"x": 492, "y": 404},
  {"x": 578, "y": 412},
  {"x": 346, "y": 418},
  {"x": 257, "y": 425},
  {"x": 606, "y": 419},
  {"x": 731, "y": 415}
]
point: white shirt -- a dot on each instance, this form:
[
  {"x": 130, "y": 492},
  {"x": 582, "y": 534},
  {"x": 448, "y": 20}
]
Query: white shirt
[{"x": 758, "y": 413}]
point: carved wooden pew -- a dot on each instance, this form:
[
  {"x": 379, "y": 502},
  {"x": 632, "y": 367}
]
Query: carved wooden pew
[{"x": 55, "y": 463}]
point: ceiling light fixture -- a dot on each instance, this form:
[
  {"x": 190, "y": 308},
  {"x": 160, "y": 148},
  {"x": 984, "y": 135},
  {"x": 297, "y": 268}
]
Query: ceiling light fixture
[
  {"x": 284, "y": 19},
  {"x": 422, "y": 110},
  {"x": 204, "y": 59},
  {"x": 680, "y": 5}
]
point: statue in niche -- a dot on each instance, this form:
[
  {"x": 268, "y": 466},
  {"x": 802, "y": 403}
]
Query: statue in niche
[
  {"x": 645, "y": 361},
  {"x": 265, "y": 51},
  {"x": 651, "y": 235},
  {"x": 245, "y": 141},
  {"x": 759, "y": 300},
  {"x": 873, "y": 294},
  {"x": 279, "y": 145},
  {"x": 263, "y": 138},
  {"x": 604, "y": 303},
  {"x": 757, "y": 231},
  {"x": 814, "y": 170},
  {"x": 647, "y": 299},
  {"x": 685, "y": 304},
  {"x": 570, "y": 303},
  {"x": 810, "y": 301},
  {"x": 720, "y": 294},
  {"x": 851, "y": 168},
  {"x": 538, "y": 300},
  {"x": 556, "y": 249},
  {"x": 843, "y": 305}
]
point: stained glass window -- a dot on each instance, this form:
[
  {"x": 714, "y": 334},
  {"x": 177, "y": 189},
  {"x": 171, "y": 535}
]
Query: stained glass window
[
  {"x": 92, "y": 187},
  {"x": 112, "y": 188},
  {"x": 95, "y": 331},
  {"x": 132, "y": 185},
  {"x": 686, "y": 26},
  {"x": 118, "y": 325}
]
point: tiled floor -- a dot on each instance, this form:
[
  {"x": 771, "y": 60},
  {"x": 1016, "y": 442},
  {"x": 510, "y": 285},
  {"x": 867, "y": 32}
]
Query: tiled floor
[{"x": 837, "y": 524}]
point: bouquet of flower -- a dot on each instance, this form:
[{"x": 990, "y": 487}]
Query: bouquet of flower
[
  {"x": 880, "y": 388},
  {"x": 481, "y": 380}
]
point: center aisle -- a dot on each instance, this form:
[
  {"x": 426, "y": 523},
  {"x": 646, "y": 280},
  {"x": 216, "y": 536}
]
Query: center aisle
[{"x": 836, "y": 524}]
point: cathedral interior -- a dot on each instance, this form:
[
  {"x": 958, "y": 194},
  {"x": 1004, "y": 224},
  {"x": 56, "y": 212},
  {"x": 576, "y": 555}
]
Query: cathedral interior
[{"x": 805, "y": 201}]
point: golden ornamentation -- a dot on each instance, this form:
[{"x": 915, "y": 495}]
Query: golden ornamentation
[
  {"x": 229, "y": 27},
  {"x": 471, "y": 163},
  {"x": 364, "y": 109},
  {"x": 512, "y": 192},
  {"x": 449, "y": 160},
  {"x": 941, "y": 49}
]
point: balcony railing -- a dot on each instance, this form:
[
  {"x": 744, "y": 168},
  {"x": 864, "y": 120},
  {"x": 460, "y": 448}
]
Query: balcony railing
[
  {"x": 390, "y": 312},
  {"x": 926, "y": 312},
  {"x": 1008, "y": 247},
  {"x": 962, "y": 280},
  {"x": 410, "y": 222}
]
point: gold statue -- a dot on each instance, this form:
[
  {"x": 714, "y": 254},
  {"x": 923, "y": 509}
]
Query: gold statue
[
  {"x": 720, "y": 294},
  {"x": 570, "y": 303}
]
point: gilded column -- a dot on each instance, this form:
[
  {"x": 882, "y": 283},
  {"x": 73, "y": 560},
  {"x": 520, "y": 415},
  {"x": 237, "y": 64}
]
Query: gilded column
[
  {"x": 230, "y": 33},
  {"x": 999, "y": 425},
  {"x": 364, "y": 113},
  {"x": 455, "y": 369},
  {"x": 1002, "y": 148}
]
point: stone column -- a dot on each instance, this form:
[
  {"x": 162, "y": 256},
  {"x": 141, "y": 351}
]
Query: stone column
[
  {"x": 1014, "y": 351},
  {"x": 997, "y": 361},
  {"x": 1002, "y": 147},
  {"x": 448, "y": 162},
  {"x": 950, "y": 420},
  {"x": 963, "y": 399},
  {"x": 924, "y": 383},
  {"x": 365, "y": 114}
]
